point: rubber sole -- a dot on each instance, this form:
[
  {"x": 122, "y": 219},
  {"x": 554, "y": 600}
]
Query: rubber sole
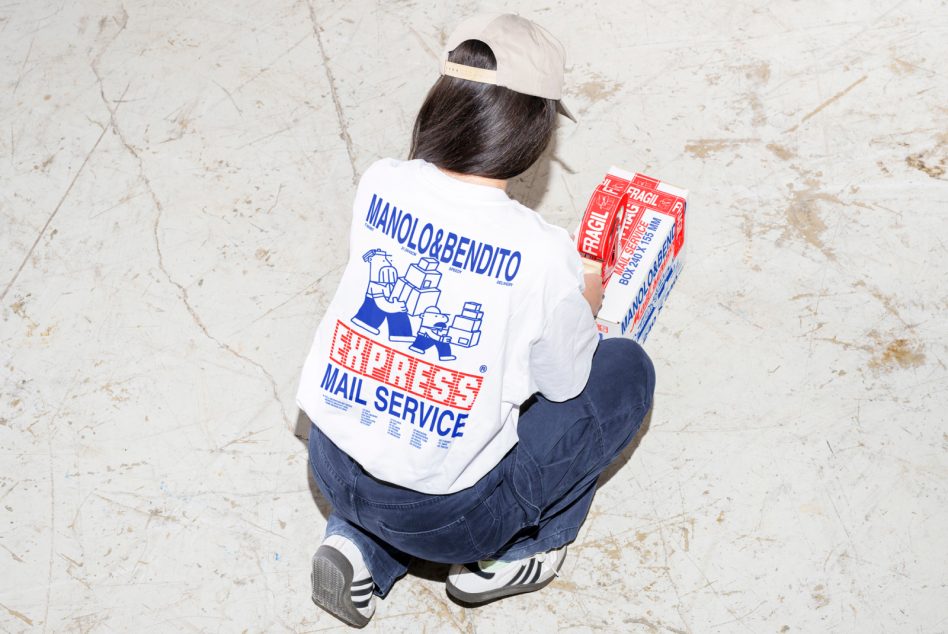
[
  {"x": 332, "y": 582},
  {"x": 477, "y": 598}
]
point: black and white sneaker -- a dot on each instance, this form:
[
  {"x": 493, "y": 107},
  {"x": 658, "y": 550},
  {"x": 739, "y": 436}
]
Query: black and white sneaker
[
  {"x": 342, "y": 584},
  {"x": 488, "y": 580}
]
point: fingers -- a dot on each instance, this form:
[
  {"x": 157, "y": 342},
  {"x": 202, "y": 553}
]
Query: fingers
[{"x": 593, "y": 291}]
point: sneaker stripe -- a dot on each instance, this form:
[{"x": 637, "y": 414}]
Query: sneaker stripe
[
  {"x": 363, "y": 582},
  {"x": 536, "y": 575},
  {"x": 527, "y": 575},
  {"x": 516, "y": 576},
  {"x": 529, "y": 570},
  {"x": 362, "y": 604},
  {"x": 524, "y": 572},
  {"x": 361, "y": 592}
]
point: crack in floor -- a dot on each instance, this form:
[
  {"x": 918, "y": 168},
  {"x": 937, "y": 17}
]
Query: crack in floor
[
  {"x": 343, "y": 126},
  {"x": 182, "y": 291}
]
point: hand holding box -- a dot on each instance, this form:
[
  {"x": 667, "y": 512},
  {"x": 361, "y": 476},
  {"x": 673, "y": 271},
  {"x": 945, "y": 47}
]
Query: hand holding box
[{"x": 646, "y": 218}]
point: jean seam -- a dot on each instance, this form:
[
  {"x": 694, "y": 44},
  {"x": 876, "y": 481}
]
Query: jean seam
[
  {"x": 393, "y": 531},
  {"x": 392, "y": 507},
  {"x": 535, "y": 510},
  {"x": 326, "y": 464},
  {"x": 484, "y": 503},
  {"x": 593, "y": 411}
]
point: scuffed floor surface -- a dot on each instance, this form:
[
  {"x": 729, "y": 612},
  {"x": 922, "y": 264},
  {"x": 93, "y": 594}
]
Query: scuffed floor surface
[{"x": 175, "y": 180}]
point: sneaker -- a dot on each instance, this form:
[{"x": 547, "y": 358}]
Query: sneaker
[
  {"x": 488, "y": 580},
  {"x": 342, "y": 584}
]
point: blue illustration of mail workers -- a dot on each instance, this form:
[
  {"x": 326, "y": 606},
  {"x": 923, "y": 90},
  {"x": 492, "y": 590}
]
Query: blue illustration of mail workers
[{"x": 400, "y": 300}]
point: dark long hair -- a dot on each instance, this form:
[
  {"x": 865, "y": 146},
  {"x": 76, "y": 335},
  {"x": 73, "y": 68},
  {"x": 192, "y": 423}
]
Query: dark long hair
[{"x": 481, "y": 129}]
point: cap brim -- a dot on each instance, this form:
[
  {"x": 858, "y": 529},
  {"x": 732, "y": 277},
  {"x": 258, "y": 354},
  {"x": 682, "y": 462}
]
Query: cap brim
[{"x": 563, "y": 110}]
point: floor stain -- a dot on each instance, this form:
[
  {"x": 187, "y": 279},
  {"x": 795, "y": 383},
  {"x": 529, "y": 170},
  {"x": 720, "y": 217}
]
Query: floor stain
[
  {"x": 819, "y": 596},
  {"x": 44, "y": 166},
  {"x": 901, "y": 67},
  {"x": 598, "y": 89},
  {"x": 759, "y": 72},
  {"x": 19, "y": 308},
  {"x": 651, "y": 626},
  {"x": 935, "y": 170},
  {"x": 781, "y": 152},
  {"x": 757, "y": 107},
  {"x": 17, "y": 614},
  {"x": 749, "y": 221},
  {"x": 888, "y": 303},
  {"x": 934, "y": 161},
  {"x": 826, "y": 103},
  {"x": 703, "y": 148},
  {"x": 887, "y": 353},
  {"x": 899, "y": 353},
  {"x": 804, "y": 220},
  {"x": 117, "y": 393}
]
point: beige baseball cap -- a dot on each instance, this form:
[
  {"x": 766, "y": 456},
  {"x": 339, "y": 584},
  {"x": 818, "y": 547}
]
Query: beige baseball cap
[{"x": 529, "y": 59}]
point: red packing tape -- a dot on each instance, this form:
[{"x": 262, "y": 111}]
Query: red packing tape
[{"x": 598, "y": 234}]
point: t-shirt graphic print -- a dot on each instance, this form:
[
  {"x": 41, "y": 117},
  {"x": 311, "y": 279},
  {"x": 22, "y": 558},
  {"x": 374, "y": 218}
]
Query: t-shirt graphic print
[
  {"x": 433, "y": 399},
  {"x": 423, "y": 356}
]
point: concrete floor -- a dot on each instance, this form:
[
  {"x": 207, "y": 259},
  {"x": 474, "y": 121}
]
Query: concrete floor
[{"x": 175, "y": 180}]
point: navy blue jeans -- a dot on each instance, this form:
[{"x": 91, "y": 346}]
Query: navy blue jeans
[{"x": 534, "y": 500}]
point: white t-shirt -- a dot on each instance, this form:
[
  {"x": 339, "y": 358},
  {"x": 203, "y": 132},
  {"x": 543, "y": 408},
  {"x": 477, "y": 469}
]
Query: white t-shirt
[{"x": 457, "y": 303}]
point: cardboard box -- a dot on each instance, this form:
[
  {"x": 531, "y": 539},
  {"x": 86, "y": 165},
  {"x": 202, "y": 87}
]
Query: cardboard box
[
  {"x": 637, "y": 275},
  {"x": 465, "y": 328},
  {"x": 466, "y": 323},
  {"x": 427, "y": 264},
  {"x": 650, "y": 240},
  {"x": 650, "y": 193},
  {"x": 416, "y": 299},
  {"x": 420, "y": 277},
  {"x": 464, "y": 338},
  {"x": 472, "y": 310},
  {"x": 655, "y": 306}
]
